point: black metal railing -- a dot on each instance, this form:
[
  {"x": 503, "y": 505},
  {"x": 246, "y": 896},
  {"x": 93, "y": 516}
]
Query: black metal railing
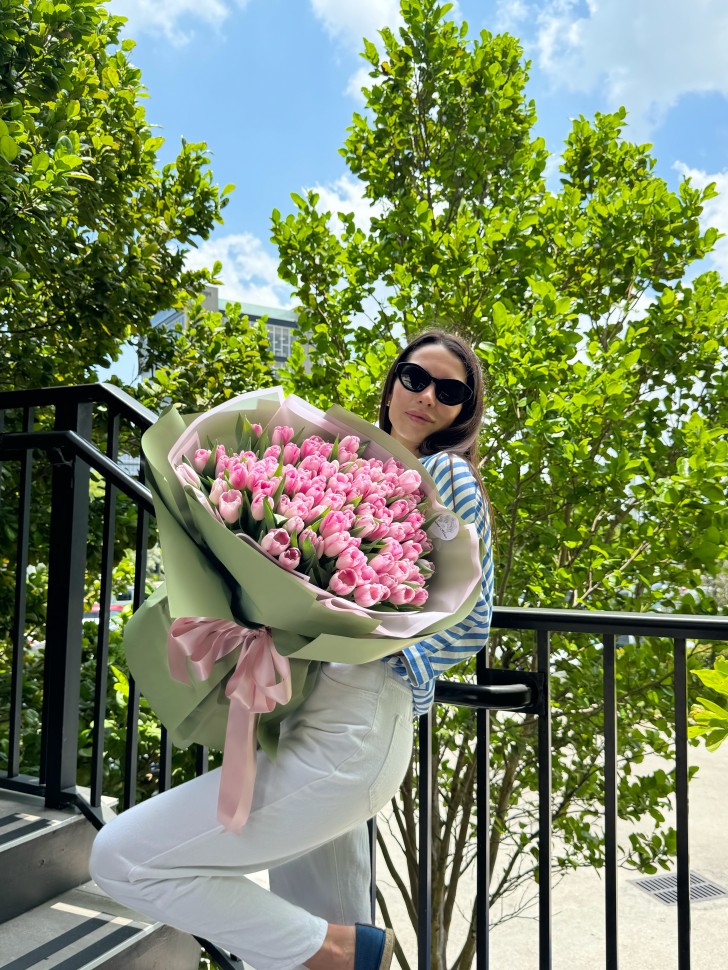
[{"x": 82, "y": 428}]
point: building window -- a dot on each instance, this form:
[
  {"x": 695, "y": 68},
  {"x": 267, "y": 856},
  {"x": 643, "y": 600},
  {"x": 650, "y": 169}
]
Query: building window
[{"x": 280, "y": 340}]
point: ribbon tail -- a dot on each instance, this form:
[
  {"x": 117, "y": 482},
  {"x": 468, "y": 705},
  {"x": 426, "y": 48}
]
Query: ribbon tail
[{"x": 237, "y": 777}]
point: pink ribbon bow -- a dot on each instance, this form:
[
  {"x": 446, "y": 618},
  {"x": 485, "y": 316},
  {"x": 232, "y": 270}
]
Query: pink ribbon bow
[{"x": 261, "y": 679}]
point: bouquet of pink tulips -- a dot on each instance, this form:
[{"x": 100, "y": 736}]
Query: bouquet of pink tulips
[
  {"x": 289, "y": 537},
  {"x": 356, "y": 526}
]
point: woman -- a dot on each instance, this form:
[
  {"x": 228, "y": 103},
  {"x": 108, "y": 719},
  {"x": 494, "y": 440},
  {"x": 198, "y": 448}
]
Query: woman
[{"x": 342, "y": 754}]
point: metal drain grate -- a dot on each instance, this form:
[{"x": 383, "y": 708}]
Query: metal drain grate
[{"x": 664, "y": 888}]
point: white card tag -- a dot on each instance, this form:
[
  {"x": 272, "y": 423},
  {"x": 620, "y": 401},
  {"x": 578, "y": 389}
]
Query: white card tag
[{"x": 445, "y": 526}]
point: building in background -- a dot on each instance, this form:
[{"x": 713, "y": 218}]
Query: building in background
[{"x": 280, "y": 324}]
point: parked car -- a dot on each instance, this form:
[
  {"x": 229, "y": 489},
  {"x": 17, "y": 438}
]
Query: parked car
[{"x": 117, "y": 606}]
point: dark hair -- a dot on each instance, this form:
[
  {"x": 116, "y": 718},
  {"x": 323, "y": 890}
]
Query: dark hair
[{"x": 461, "y": 437}]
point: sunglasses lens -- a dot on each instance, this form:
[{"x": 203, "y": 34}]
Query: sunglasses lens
[
  {"x": 414, "y": 378},
  {"x": 452, "y": 392}
]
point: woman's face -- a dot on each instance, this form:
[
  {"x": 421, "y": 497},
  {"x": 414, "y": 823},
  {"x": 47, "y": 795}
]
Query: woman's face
[{"x": 415, "y": 415}]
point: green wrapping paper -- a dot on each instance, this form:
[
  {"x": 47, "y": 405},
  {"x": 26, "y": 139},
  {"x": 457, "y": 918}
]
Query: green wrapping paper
[{"x": 210, "y": 572}]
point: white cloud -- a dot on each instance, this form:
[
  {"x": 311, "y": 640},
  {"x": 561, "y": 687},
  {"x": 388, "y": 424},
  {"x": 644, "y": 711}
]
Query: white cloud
[
  {"x": 173, "y": 19},
  {"x": 358, "y": 80},
  {"x": 715, "y": 211},
  {"x": 351, "y": 20},
  {"x": 249, "y": 270},
  {"x": 345, "y": 195},
  {"x": 644, "y": 54}
]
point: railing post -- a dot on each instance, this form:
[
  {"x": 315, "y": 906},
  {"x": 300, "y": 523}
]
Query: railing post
[
  {"x": 424, "y": 796},
  {"x": 682, "y": 779},
  {"x": 544, "y": 805},
  {"x": 66, "y": 587},
  {"x": 482, "y": 753}
]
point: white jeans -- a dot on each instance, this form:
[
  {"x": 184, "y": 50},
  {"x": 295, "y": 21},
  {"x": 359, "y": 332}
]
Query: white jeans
[{"x": 342, "y": 756}]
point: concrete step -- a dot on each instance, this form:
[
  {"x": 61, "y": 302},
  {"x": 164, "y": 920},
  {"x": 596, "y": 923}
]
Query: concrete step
[
  {"x": 82, "y": 929},
  {"x": 43, "y": 852}
]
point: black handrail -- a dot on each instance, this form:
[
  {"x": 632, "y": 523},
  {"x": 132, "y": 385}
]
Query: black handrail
[
  {"x": 117, "y": 399},
  {"x": 63, "y": 445}
]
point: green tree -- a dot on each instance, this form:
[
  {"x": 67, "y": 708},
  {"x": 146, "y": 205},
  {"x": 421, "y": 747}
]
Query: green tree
[
  {"x": 91, "y": 231},
  {"x": 604, "y": 452}
]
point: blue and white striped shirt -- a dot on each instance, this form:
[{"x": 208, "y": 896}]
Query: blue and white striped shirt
[{"x": 421, "y": 664}]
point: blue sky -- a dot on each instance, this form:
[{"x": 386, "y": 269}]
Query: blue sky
[{"x": 270, "y": 86}]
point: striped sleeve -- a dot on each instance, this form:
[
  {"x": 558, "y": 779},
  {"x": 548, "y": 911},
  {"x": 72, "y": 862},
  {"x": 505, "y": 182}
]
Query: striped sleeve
[{"x": 423, "y": 662}]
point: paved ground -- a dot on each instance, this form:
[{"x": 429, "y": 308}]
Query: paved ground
[{"x": 647, "y": 927}]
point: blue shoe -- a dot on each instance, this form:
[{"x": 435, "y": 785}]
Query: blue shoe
[{"x": 374, "y": 948}]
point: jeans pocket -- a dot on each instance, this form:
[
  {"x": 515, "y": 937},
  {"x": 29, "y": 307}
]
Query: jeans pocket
[{"x": 394, "y": 765}]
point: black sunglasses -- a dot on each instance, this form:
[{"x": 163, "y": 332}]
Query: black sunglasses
[{"x": 447, "y": 391}]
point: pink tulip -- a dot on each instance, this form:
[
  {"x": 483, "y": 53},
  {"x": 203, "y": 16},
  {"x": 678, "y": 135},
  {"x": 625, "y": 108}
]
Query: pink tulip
[
  {"x": 415, "y": 577},
  {"x": 188, "y": 476},
  {"x": 370, "y": 594},
  {"x": 314, "y": 512},
  {"x": 257, "y": 429},
  {"x": 238, "y": 476},
  {"x": 401, "y": 595},
  {"x": 282, "y": 435},
  {"x": 312, "y": 446},
  {"x": 291, "y": 478},
  {"x": 415, "y": 519},
  {"x": 335, "y": 501},
  {"x": 420, "y": 597},
  {"x": 274, "y": 451},
  {"x": 230, "y": 505},
  {"x": 276, "y": 541},
  {"x": 335, "y": 544},
  {"x": 257, "y": 507},
  {"x": 397, "y": 531},
  {"x": 379, "y": 533},
  {"x": 256, "y": 475},
  {"x": 365, "y": 575},
  {"x": 393, "y": 548},
  {"x": 267, "y": 488},
  {"x": 365, "y": 525},
  {"x": 315, "y": 493},
  {"x": 343, "y": 582},
  {"x": 401, "y": 570},
  {"x": 392, "y": 465},
  {"x": 400, "y": 508},
  {"x": 382, "y": 563},
  {"x": 407, "y": 531},
  {"x": 409, "y": 481},
  {"x": 351, "y": 558},
  {"x": 202, "y": 499},
  {"x": 201, "y": 458},
  {"x": 297, "y": 507},
  {"x": 218, "y": 488},
  {"x": 350, "y": 444},
  {"x": 362, "y": 483},
  {"x": 294, "y": 524},
  {"x": 291, "y": 453},
  {"x": 411, "y": 550},
  {"x": 290, "y": 559}
]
